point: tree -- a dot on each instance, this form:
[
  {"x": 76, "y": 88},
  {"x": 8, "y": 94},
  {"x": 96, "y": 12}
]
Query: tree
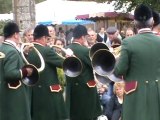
[
  {"x": 6, "y": 5},
  {"x": 24, "y": 13},
  {"x": 131, "y": 4}
]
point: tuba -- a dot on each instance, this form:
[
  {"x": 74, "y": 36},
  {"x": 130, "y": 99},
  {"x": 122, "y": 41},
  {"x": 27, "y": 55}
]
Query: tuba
[
  {"x": 72, "y": 66},
  {"x": 33, "y": 79},
  {"x": 2, "y": 55},
  {"x": 103, "y": 62}
]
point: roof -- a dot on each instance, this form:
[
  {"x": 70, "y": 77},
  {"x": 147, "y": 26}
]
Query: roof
[{"x": 106, "y": 15}]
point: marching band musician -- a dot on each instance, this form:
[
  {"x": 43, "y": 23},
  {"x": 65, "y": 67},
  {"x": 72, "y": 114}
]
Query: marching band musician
[
  {"x": 14, "y": 96},
  {"x": 81, "y": 93},
  {"x": 139, "y": 64},
  {"x": 47, "y": 98}
]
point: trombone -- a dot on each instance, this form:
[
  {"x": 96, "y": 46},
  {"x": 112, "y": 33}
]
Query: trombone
[
  {"x": 2, "y": 55},
  {"x": 72, "y": 65},
  {"x": 33, "y": 79}
]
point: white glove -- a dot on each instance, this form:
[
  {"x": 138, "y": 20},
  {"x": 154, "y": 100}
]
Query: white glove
[
  {"x": 102, "y": 117},
  {"x": 68, "y": 52}
]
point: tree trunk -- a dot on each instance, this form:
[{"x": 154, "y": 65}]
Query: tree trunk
[{"x": 24, "y": 13}]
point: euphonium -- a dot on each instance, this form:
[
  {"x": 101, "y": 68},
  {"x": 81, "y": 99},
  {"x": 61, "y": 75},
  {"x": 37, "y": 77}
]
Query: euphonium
[
  {"x": 72, "y": 66},
  {"x": 2, "y": 55},
  {"x": 33, "y": 79}
]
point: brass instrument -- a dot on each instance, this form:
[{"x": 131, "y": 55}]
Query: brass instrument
[
  {"x": 2, "y": 55},
  {"x": 96, "y": 47},
  {"x": 103, "y": 62},
  {"x": 102, "y": 79},
  {"x": 72, "y": 66},
  {"x": 33, "y": 79}
]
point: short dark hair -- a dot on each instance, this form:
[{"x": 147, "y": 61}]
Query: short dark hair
[
  {"x": 9, "y": 29},
  {"x": 79, "y": 31},
  {"x": 40, "y": 31}
]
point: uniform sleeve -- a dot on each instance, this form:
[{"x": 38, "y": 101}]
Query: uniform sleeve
[
  {"x": 123, "y": 61},
  {"x": 52, "y": 58},
  {"x": 11, "y": 71},
  {"x": 86, "y": 57}
]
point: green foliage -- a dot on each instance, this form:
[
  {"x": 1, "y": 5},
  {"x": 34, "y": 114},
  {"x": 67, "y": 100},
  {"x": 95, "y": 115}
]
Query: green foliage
[
  {"x": 2, "y": 23},
  {"x": 61, "y": 77},
  {"x": 131, "y": 4},
  {"x": 38, "y": 1},
  {"x": 6, "y": 5}
]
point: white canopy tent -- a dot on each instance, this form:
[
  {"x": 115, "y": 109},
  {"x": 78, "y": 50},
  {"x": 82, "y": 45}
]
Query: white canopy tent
[
  {"x": 60, "y": 10},
  {"x": 56, "y": 11}
]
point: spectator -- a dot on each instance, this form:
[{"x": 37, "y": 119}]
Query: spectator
[
  {"x": 156, "y": 25},
  {"x": 114, "y": 107},
  {"x": 92, "y": 38},
  {"x": 69, "y": 36},
  {"x": 112, "y": 33},
  {"x": 129, "y": 32},
  {"x": 52, "y": 33},
  {"x": 28, "y": 35},
  {"x": 102, "y": 36}
]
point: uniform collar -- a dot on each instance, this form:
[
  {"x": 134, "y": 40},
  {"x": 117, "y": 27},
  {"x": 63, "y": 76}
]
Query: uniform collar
[
  {"x": 145, "y": 30},
  {"x": 12, "y": 43},
  {"x": 77, "y": 43},
  {"x": 38, "y": 43}
]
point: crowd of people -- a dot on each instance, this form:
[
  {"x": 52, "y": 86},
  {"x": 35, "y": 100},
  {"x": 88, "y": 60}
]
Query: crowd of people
[{"x": 57, "y": 96}]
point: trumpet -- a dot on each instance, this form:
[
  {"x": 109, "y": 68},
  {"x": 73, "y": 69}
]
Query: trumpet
[
  {"x": 72, "y": 65},
  {"x": 2, "y": 55},
  {"x": 33, "y": 79}
]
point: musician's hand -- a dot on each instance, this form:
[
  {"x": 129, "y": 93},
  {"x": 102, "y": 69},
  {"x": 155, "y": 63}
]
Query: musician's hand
[
  {"x": 28, "y": 48},
  {"x": 29, "y": 71},
  {"x": 69, "y": 52}
]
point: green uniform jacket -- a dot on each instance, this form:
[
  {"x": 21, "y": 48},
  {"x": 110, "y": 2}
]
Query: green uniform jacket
[
  {"x": 82, "y": 100},
  {"x": 47, "y": 104},
  {"x": 140, "y": 61},
  {"x": 14, "y": 103}
]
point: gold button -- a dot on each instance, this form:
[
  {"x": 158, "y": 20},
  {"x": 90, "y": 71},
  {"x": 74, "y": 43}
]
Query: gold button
[
  {"x": 156, "y": 80},
  {"x": 146, "y": 81}
]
